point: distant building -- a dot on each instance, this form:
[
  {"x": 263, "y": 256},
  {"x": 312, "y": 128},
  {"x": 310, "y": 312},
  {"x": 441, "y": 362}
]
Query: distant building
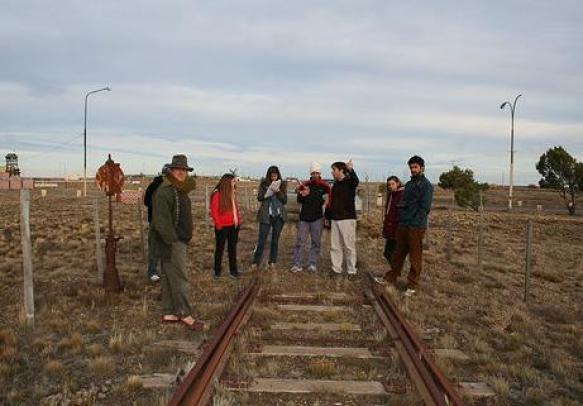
[{"x": 12, "y": 164}]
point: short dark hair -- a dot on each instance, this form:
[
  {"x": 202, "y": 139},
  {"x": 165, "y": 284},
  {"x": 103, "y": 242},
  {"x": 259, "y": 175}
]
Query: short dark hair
[
  {"x": 416, "y": 159},
  {"x": 340, "y": 166}
]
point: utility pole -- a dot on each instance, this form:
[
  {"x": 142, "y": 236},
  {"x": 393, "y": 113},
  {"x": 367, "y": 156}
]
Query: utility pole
[
  {"x": 512, "y": 110},
  {"x": 85, "y": 138}
]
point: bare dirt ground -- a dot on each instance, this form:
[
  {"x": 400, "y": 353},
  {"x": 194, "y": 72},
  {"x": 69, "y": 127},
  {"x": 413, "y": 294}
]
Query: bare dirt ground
[{"x": 87, "y": 348}]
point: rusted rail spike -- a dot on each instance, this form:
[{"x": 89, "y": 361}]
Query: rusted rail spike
[
  {"x": 432, "y": 385},
  {"x": 197, "y": 386}
]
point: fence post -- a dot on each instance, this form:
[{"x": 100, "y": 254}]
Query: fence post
[
  {"x": 206, "y": 205},
  {"x": 449, "y": 230},
  {"x": 98, "y": 250},
  {"x": 449, "y": 236},
  {"x": 141, "y": 225},
  {"x": 528, "y": 260},
  {"x": 481, "y": 240},
  {"x": 383, "y": 208},
  {"x": 426, "y": 236},
  {"x": 27, "y": 256},
  {"x": 367, "y": 198}
]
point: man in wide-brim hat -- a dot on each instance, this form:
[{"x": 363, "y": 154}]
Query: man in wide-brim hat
[{"x": 172, "y": 223}]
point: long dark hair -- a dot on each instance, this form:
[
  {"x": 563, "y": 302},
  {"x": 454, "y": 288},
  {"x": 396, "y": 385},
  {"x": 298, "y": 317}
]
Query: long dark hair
[
  {"x": 267, "y": 179},
  {"x": 396, "y": 179},
  {"x": 227, "y": 190}
]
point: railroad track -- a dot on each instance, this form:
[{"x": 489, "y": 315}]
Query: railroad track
[{"x": 431, "y": 387}]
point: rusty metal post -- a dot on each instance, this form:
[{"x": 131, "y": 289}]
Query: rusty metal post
[
  {"x": 111, "y": 276},
  {"x": 110, "y": 178}
]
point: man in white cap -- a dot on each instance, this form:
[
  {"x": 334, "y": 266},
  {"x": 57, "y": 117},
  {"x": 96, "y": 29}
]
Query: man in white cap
[{"x": 311, "y": 197}]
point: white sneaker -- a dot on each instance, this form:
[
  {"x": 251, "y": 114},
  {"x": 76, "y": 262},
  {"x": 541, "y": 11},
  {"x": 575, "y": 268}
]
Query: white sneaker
[
  {"x": 295, "y": 269},
  {"x": 380, "y": 281},
  {"x": 409, "y": 292},
  {"x": 154, "y": 278},
  {"x": 312, "y": 268}
]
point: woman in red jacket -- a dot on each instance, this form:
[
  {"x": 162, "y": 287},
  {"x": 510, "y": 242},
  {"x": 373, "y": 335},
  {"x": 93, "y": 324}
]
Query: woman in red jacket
[
  {"x": 395, "y": 193},
  {"x": 227, "y": 219}
]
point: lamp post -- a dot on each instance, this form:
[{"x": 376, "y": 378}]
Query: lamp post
[
  {"x": 85, "y": 138},
  {"x": 512, "y": 110}
]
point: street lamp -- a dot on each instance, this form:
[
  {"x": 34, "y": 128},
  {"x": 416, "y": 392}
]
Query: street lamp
[
  {"x": 85, "y": 138},
  {"x": 512, "y": 110}
]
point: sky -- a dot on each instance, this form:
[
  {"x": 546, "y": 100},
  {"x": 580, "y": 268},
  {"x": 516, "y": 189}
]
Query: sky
[{"x": 247, "y": 84}]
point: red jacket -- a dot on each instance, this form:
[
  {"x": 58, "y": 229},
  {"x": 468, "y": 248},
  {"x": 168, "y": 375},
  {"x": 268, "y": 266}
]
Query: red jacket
[
  {"x": 224, "y": 219},
  {"x": 392, "y": 213}
]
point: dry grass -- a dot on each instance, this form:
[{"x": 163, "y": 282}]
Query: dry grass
[
  {"x": 57, "y": 324},
  {"x": 501, "y": 386},
  {"x": 8, "y": 350},
  {"x": 5, "y": 370},
  {"x": 223, "y": 397},
  {"x": 535, "y": 349},
  {"x": 93, "y": 326},
  {"x": 527, "y": 353},
  {"x": 100, "y": 365},
  {"x": 134, "y": 383},
  {"x": 120, "y": 342},
  {"x": 73, "y": 343},
  {"x": 53, "y": 367},
  {"x": 95, "y": 349},
  {"x": 322, "y": 368}
]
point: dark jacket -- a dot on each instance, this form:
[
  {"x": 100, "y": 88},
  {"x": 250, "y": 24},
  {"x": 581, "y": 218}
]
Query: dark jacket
[
  {"x": 172, "y": 215},
  {"x": 341, "y": 203},
  {"x": 313, "y": 203},
  {"x": 392, "y": 213},
  {"x": 263, "y": 212},
  {"x": 416, "y": 203},
  {"x": 149, "y": 195}
]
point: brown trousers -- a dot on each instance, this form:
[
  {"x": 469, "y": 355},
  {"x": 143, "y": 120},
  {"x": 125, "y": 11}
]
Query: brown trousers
[{"x": 409, "y": 242}]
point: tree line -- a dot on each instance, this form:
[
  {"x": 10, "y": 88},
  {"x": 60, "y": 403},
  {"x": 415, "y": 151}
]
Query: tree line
[{"x": 559, "y": 171}]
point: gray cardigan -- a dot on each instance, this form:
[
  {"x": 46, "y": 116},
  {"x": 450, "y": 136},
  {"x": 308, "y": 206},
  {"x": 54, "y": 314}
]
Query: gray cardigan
[{"x": 263, "y": 212}]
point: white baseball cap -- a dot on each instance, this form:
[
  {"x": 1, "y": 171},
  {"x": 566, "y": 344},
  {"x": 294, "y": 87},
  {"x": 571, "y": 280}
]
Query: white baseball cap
[{"x": 315, "y": 167}]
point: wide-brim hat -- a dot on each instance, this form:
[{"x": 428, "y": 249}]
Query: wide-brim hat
[{"x": 180, "y": 162}]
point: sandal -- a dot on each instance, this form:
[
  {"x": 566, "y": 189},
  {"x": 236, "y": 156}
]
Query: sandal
[
  {"x": 170, "y": 318},
  {"x": 195, "y": 325}
]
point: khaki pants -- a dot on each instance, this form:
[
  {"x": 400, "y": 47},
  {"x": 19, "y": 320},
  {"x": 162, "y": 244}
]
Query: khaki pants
[
  {"x": 175, "y": 285},
  {"x": 409, "y": 242},
  {"x": 343, "y": 245}
]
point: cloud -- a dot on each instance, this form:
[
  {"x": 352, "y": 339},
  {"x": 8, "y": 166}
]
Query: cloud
[{"x": 243, "y": 84}]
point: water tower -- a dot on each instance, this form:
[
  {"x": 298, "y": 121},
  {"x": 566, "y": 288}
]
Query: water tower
[{"x": 12, "y": 164}]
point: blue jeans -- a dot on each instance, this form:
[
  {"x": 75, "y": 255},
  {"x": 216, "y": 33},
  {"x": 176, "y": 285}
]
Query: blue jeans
[
  {"x": 314, "y": 229},
  {"x": 275, "y": 225}
]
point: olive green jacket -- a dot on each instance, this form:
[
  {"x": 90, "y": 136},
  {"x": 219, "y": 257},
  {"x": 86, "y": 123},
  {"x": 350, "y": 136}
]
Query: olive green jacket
[{"x": 166, "y": 213}]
